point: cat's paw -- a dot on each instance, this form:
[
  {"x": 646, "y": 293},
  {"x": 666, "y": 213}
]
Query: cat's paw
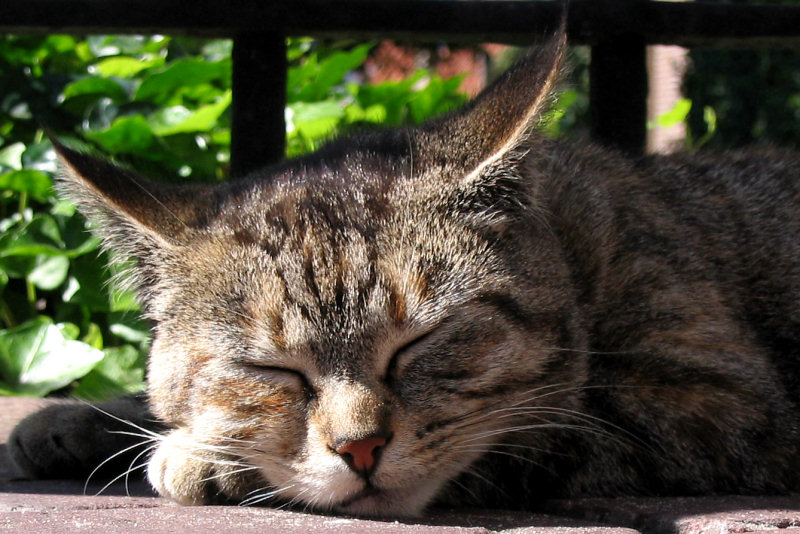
[
  {"x": 70, "y": 440},
  {"x": 192, "y": 473}
]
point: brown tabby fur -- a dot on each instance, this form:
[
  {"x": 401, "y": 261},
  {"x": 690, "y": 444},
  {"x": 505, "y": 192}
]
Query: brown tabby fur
[{"x": 518, "y": 317}]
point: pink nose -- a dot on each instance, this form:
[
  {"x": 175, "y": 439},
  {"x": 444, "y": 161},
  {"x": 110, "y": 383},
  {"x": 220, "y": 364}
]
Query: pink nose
[{"x": 362, "y": 454}]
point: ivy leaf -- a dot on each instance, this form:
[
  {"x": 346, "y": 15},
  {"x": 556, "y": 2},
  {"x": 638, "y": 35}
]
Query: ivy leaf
[
  {"x": 95, "y": 86},
  {"x": 36, "y": 184},
  {"x": 126, "y": 134},
  {"x": 314, "y": 120},
  {"x": 178, "y": 119},
  {"x": 159, "y": 87},
  {"x": 41, "y": 235},
  {"x": 120, "y": 372},
  {"x": 126, "y": 67},
  {"x": 676, "y": 115},
  {"x": 11, "y": 156},
  {"x": 37, "y": 358},
  {"x": 50, "y": 272}
]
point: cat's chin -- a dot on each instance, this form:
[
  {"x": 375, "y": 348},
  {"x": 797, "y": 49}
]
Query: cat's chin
[{"x": 373, "y": 502}]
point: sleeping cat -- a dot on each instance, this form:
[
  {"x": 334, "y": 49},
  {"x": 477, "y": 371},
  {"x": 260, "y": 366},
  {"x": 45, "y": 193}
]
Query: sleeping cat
[{"x": 462, "y": 313}]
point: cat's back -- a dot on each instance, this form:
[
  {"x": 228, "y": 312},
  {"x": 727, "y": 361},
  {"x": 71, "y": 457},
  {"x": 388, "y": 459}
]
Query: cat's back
[
  {"x": 715, "y": 232},
  {"x": 751, "y": 198},
  {"x": 744, "y": 206}
]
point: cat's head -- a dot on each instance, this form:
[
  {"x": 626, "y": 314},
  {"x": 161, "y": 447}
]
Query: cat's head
[{"x": 363, "y": 324}]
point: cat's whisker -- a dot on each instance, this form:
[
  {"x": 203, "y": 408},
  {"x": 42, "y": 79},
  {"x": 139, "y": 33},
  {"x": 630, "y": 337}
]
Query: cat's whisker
[
  {"x": 501, "y": 452},
  {"x": 490, "y": 446},
  {"x": 620, "y": 435},
  {"x": 125, "y": 473},
  {"x": 467, "y": 489},
  {"x": 220, "y": 462},
  {"x": 150, "y": 437},
  {"x": 224, "y": 474},
  {"x": 484, "y": 414},
  {"x": 536, "y": 427},
  {"x": 264, "y": 494},
  {"x": 144, "y": 431},
  {"x": 291, "y": 502},
  {"x": 132, "y": 467},
  {"x": 149, "y": 443},
  {"x": 590, "y": 352},
  {"x": 473, "y": 471},
  {"x": 481, "y": 412}
]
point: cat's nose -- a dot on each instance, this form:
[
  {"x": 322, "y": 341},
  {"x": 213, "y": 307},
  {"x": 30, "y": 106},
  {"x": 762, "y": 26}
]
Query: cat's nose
[{"x": 361, "y": 454}]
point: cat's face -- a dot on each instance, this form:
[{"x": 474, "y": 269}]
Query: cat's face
[
  {"x": 308, "y": 333},
  {"x": 353, "y": 330}
]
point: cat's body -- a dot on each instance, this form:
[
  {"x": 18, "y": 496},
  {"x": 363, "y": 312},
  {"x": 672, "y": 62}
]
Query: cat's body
[{"x": 465, "y": 313}]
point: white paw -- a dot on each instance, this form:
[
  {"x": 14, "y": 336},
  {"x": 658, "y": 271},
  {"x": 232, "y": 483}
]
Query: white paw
[{"x": 179, "y": 471}]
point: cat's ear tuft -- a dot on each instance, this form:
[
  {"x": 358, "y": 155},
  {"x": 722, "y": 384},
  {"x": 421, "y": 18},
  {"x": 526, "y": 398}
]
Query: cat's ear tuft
[
  {"x": 128, "y": 209},
  {"x": 495, "y": 125}
]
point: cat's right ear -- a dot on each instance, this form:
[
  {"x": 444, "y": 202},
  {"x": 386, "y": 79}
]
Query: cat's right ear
[
  {"x": 483, "y": 141},
  {"x": 130, "y": 212}
]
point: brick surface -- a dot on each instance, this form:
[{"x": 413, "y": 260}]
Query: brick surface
[
  {"x": 61, "y": 506},
  {"x": 66, "y": 506},
  {"x": 728, "y": 514}
]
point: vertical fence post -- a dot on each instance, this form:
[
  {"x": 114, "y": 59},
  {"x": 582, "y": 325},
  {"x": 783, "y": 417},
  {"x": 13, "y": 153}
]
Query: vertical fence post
[
  {"x": 618, "y": 80},
  {"x": 258, "y": 132},
  {"x": 618, "y": 93}
]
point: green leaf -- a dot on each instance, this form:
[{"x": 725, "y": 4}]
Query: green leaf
[
  {"x": 50, "y": 272},
  {"x": 218, "y": 49},
  {"x": 87, "y": 284},
  {"x": 36, "y": 184},
  {"x": 126, "y": 67},
  {"x": 11, "y": 156},
  {"x": 36, "y": 358},
  {"x": 160, "y": 86},
  {"x": 95, "y": 86},
  {"x": 123, "y": 301},
  {"x": 314, "y": 79},
  {"x": 94, "y": 337},
  {"x": 178, "y": 119},
  {"x": 129, "y": 333},
  {"x": 42, "y": 235},
  {"x": 314, "y": 120},
  {"x": 676, "y": 115},
  {"x": 121, "y": 372},
  {"x": 126, "y": 134},
  {"x": 334, "y": 68}
]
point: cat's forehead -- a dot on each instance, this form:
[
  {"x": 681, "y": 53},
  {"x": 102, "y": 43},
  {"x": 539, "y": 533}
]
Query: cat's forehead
[{"x": 358, "y": 161}]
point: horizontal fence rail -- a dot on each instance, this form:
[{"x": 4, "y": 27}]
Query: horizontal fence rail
[
  {"x": 617, "y": 30},
  {"x": 513, "y": 21}
]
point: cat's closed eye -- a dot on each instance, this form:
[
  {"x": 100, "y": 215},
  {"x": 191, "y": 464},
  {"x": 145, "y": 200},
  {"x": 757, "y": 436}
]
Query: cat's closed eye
[
  {"x": 276, "y": 375},
  {"x": 405, "y": 354}
]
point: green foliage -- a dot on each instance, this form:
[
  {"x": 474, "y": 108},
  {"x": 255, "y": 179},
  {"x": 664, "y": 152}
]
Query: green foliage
[
  {"x": 754, "y": 95},
  {"x": 679, "y": 114},
  {"x": 161, "y": 105}
]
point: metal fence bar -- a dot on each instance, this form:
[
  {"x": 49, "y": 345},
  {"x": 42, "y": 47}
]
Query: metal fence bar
[
  {"x": 618, "y": 31},
  {"x": 258, "y": 132}
]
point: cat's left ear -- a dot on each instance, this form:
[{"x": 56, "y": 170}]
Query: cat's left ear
[
  {"x": 127, "y": 206},
  {"x": 469, "y": 143}
]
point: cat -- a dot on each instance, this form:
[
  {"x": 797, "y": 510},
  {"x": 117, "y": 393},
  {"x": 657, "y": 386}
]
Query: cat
[{"x": 463, "y": 313}]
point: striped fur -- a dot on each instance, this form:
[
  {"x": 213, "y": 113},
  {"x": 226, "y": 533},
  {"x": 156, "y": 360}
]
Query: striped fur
[{"x": 520, "y": 318}]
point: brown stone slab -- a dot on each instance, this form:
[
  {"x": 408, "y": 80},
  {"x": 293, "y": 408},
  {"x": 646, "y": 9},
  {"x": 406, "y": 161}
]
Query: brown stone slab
[
  {"x": 59, "y": 513},
  {"x": 62, "y": 506},
  {"x": 12, "y": 409},
  {"x": 71, "y": 506},
  {"x": 690, "y": 515}
]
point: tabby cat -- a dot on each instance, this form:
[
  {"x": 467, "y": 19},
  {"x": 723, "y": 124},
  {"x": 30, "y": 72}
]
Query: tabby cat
[{"x": 464, "y": 313}]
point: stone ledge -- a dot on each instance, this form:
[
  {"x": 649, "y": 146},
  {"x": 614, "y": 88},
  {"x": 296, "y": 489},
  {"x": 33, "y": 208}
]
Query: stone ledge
[{"x": 60, "y": 506}]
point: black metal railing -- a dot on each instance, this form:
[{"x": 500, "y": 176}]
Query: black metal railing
[{"x": 617, "y": 30}]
